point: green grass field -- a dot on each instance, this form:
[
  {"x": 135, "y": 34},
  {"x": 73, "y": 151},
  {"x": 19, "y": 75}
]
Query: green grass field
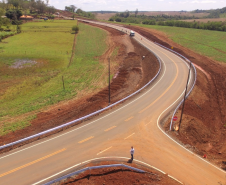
[
  {"x": 33, "y": 63},
  {"x": 205, "y": 42}
]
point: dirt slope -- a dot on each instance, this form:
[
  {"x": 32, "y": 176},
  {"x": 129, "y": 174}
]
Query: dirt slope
[
  {"x": 121, "y": 176},
  {"x": 203, "y": 127}
]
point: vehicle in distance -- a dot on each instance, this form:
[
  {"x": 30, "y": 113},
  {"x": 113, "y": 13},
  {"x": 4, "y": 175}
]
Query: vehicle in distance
[{"x": 132, "y": 33}]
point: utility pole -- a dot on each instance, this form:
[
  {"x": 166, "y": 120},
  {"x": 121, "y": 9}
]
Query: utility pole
[
  {"x": 184, "y": 97},
  {"x": 109, "y": 81}
]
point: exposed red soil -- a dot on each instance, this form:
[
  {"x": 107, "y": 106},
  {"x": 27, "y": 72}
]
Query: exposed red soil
[
  {"x": 133, "y": 73},
  {"x": 203, "y": 126},
  {"x": 121, "y": 176}
]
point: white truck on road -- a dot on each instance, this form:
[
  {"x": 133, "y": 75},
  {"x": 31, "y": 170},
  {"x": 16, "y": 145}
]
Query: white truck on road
[{"x": 132, "y": 33}]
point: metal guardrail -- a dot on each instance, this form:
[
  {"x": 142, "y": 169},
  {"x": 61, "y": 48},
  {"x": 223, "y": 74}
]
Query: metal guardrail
[
  {"x": 193, "y": 85},
  {"x": 87, "y": 116},
  {"x": 93, "y": 168}
]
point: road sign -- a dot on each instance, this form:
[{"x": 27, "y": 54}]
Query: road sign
[{"x": 175, "y": 118}]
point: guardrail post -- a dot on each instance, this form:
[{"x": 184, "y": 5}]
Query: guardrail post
[{"x": 109, "y": 78}]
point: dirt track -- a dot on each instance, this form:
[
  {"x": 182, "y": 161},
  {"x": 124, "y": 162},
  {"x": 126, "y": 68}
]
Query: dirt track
[
  {"x": 203, "y": 127},
  {"x": 133, "y": 73}
]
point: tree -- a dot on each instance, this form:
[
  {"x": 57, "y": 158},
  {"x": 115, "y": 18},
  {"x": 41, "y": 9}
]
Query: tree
[
  {"x": 15, "y": 3},
  {"x": 41, "y": 6},
  {"x": 136, "y": 12},
  {"x": 79, "y": 11},
  {"x": 13, "y": 14},
  {"x": 70, "y": 8},
  {"x": 51, "y": 9},
  {"x": 75, "y": 29},
  {"x": 73, "y": 8}
]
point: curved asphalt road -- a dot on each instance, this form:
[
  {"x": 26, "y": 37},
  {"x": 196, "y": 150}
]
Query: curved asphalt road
[{"x": 111, "y": 134}]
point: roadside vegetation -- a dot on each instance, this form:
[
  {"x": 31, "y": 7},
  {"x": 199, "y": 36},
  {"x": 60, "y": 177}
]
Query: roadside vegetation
[{"x": 36, "y": 69}]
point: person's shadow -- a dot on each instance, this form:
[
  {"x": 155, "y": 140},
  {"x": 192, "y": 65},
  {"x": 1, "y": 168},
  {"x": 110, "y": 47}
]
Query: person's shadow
[{"x": 130, "y": 161}]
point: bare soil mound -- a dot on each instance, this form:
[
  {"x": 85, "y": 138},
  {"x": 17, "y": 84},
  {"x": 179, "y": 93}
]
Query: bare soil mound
[
  {"x": 121, "y": 176},
  {"x": 203, "y": 126},
  {"x": 133, "y": 73}
]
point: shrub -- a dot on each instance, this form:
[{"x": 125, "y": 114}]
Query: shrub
[
  {"x": 118, "y": 20},
  {"x": 75, "y": 29}
]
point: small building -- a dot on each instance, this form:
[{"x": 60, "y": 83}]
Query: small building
[{"x": 26, "y": 18}]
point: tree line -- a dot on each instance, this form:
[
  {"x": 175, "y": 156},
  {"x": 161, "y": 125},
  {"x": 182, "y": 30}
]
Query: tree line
[
  {"x": 165, "y": 20},
  {"x": 216, "y": 13},
  {"x": 79, "y": 11},
  {"x": 218, "y": 26},
  {"x": 135, "y": 18}
]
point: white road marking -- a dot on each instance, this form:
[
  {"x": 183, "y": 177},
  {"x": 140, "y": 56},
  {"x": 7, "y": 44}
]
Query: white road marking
[{"x": 175, "y": 179}]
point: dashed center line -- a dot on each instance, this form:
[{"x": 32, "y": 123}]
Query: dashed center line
[
  {"x": 85, "y": 139},
  {"x": 104, "y": 150},
  {"x": 147, "y": 123},
  {"x": 110, "y": 128},
  {"x": 129, "y": 136},
  {"x": 33, "y": 162},
  {"x": 166, "y": 89},
  {"x": 129, "y": 118}
]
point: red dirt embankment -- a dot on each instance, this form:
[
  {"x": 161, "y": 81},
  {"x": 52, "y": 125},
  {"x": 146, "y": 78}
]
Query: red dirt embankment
[
  {"x": 121, "y": 176},
  {"x": 133, "y": 73},
  {"x": 203, "y": 128}
]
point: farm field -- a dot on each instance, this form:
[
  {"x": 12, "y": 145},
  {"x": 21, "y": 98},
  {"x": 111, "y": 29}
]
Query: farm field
[
  {"x": 35, "y": 63},
  {"x": 204, "y": 42}
]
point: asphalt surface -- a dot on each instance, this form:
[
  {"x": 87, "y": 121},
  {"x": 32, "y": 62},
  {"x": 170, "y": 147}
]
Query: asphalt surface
[{"x": 135, "y": 122}]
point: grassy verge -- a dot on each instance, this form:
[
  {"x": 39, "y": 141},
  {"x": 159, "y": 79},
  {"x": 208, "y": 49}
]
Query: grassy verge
[
  {"x": 204, "y": 42},
  {"x": 33, "y": 63}
]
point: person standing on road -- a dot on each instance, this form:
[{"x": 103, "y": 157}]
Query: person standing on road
[{"x": 132, "y": 152}]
